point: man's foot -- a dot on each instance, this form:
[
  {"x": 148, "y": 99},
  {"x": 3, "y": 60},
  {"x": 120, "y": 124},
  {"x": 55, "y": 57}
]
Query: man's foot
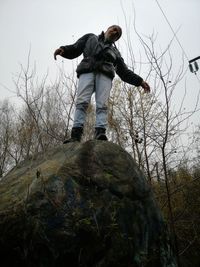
[
  {"x": 100, "y": 134},
  {"x": 76, "y": 135},
  {"x": 70, "y": 140}
]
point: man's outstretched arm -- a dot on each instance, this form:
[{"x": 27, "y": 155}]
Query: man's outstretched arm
[
  {"x": 129, "y": 76},
  {"x": 73, "y": 50}
]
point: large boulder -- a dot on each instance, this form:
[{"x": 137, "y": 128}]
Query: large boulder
[{"x": 81, "y": 205}]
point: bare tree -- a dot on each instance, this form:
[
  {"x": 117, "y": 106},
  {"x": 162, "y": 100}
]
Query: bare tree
[
  {"x": 47, "y": 109},
  {"x": 7, "y": 120}
]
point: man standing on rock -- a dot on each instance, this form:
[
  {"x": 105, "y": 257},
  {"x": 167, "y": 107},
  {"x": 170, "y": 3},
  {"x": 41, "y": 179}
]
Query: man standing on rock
[{"x": 101, "y": 59}]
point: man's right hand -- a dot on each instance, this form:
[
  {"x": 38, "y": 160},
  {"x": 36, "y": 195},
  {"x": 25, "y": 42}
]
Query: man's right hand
[{"x": 59, "y": 51}]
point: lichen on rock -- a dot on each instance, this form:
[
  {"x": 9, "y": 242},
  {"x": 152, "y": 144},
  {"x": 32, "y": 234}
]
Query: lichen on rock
[{"x": 81, "y": 204}]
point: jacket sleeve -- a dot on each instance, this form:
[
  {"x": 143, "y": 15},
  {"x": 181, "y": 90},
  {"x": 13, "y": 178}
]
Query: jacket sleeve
[
  {"x": 76, "y": 49},
  {"x": 125, "y": 74}
]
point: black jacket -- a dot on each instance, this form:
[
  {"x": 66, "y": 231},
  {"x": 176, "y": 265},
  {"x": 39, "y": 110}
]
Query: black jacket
[{"x": 101, "y": 56}]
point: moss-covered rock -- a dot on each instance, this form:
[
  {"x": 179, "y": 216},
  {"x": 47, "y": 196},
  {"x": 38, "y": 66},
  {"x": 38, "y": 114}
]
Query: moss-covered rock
[{"x": 81, "y": 205}]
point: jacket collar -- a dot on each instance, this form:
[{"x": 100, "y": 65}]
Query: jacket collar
[{"x": 101, "y": 38}]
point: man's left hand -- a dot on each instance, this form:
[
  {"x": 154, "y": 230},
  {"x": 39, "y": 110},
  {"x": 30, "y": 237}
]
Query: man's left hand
[{"x": 145, "y": 86}]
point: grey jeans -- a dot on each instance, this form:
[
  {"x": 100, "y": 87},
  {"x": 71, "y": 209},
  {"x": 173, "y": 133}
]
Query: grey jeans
[{"x": 90, "y": 83}]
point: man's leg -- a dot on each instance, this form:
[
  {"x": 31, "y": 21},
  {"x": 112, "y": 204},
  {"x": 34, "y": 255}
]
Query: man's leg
[
  {"x": 84, "y": 92},
  {"x": 103, "y": 85}
]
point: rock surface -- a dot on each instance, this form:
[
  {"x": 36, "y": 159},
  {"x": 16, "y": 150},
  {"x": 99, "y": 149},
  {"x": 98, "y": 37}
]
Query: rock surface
[{"x": 81, "y": 205}]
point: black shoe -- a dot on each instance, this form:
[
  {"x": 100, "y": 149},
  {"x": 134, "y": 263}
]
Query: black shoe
[
  {"x": 100, "y": 134},
  {"x": 76, "y": 135},
  {"x": 70, "y": 140}
]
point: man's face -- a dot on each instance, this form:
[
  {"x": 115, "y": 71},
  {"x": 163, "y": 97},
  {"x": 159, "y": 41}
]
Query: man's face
[{"x": 112, "y": 34}]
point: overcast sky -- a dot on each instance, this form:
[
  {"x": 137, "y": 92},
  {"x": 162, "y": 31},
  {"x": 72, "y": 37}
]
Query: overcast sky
[{"x": 44, "y": 25}]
